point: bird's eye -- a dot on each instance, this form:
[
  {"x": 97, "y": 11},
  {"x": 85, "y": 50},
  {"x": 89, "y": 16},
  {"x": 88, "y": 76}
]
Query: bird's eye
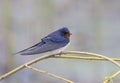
[
  {"x": 44, "y": 42},
  {"x": 65, "y": 33}
]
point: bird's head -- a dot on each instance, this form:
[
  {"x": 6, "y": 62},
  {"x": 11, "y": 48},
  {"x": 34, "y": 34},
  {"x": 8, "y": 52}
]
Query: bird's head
[{"x": 65, "y": 32}]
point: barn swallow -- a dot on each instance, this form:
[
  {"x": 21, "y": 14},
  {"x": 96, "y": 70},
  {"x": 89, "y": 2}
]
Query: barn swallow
[{"x": 54, "y": 43}]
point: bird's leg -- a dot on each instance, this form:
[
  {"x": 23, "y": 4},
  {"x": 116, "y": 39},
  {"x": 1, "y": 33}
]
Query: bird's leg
[{"x": 60, "y": 53}]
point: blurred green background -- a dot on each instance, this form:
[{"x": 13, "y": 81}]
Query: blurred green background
[{"x": 95, "y": 27}]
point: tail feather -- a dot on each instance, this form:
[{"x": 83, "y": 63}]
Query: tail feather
[{"x": 25, "y": 51}]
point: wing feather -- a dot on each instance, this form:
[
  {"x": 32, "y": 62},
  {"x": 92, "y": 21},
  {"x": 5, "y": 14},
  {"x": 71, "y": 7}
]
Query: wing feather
[{"x": 44, "y": 46}]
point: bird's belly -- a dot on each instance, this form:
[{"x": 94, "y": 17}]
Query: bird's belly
[{"x": 58, "y": 50}]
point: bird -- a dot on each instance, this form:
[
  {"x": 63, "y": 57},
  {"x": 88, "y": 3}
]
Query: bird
[{"x": 53, "y": 43}]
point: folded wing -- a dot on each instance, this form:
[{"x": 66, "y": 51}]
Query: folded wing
[{"x": 44, "y": 46}]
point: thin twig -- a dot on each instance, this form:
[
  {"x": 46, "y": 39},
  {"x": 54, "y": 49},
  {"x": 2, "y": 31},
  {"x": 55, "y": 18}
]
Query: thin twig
[
  {"x": 108, "y": 79},
  {"x": 48, "y": 73},
  {"x": 93, "y": 54},
  {"x": 96, "y": 57},
  {"x": 84, "y": 58},
  {"x": 23, "y": 66}
]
